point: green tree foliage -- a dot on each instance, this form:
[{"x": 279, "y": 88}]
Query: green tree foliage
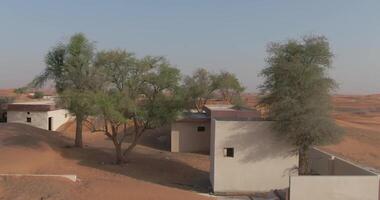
[
  {"x": 71, "y": 68},
  {"x": 140, "y": 94},
  {"x": 38, "y": 95},
  {"x": 228, "y": 86},
  {"x": 297, "y": 93},
  {"x": 198, "y": 89},
  {"x": 21, "y": 90},
  {"x": 6, "y": 100},
  {"x": 203, "y": 85},
  {"x": 55, "y": 69}
]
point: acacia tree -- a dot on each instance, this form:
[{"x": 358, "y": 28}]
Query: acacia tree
[
  {"x": 140, "y": 94},
  {"x": 202, "y": 86},
  {"x": 70, "y": 66},
  {"x": 297, "y": 92},
  {"x": 55, "y": 69},
  {"x": 21, "y": 90},
  {"x": 198, "y": 89},
  {"x": 227, "y": 85}
]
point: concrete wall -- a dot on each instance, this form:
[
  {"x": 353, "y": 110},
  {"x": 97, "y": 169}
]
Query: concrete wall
[
  {"x": 261, "y": 161},
  {"x": 59, "y": 117},
  {"x": 334, "y": 187},
  {"x": 186, "y": 138},
  {"x": 338, "y": 179},
  {"x": 39, "y": 119},
  {"x": 323, "y": 163},
  {"x": 212, "y": 153}
]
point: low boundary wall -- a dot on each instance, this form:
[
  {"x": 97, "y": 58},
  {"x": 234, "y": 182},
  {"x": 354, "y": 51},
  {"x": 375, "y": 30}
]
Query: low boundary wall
[
  {"x": 334, "y": 188},
  {"x": 70, "y": 177},
  {"x": 323, "y": 163},
  {"x": 335, "y": 179}
]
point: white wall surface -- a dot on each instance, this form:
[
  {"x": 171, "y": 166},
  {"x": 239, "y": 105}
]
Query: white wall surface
[
  {"x": 59, "y": 117},
  {"x": 186, "y": 138},
  {"x": 324, "y": 163},
  {"x": 338, "y": 179},
  {"x": 334, "y": 188},
  {"x": 261, "y": 162},
  {"x": 39, "y": 119}
]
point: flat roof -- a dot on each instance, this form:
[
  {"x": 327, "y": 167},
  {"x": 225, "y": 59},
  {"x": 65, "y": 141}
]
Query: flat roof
[
  {"x": 193, "y": 117},
  {"x": 233, "y": 113},
  {"x": 40, "y": 106}
]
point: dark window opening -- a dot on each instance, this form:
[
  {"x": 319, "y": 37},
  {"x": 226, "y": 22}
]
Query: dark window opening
[
  {"x": 50, "y": 123},
  {"x": 229, "y": 152},
  {"x": 29, "y": 119},
  {"x": 201, "y": 129},
  {"x": 28, "y": 113}
]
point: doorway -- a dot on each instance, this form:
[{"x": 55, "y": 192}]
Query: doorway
[{"x": 50, "y": 123}]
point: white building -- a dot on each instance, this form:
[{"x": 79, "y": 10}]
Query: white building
[
  {"x": 246, "y": 156},
  {"x": 40, "y": 114}
]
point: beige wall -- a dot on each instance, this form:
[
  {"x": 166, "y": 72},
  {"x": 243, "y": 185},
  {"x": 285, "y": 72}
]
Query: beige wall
[
  {"x": 339, "y": 180},
  {"x": 59, "y": 118},
  {"x": 334, "y": 188},
  {"x": 39, "y": 119},
  {"x": 261, "y": 161},
  {"x": 186, "y": 138},
  {"x": 323, "y": 163}
]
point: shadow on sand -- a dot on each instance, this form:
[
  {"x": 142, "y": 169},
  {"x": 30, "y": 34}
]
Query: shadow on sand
[{"x": 151, "y": 165}]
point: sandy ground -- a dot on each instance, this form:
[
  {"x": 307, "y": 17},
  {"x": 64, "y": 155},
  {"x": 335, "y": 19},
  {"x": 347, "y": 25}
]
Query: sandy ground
[
  {"x": 151, "y": 174},
  {"x": 359, "y": 116}
]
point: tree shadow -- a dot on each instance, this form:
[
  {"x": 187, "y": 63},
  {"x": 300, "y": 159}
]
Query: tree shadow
[
  {"x": 13, "y": 138},
  {"x": 22, "y": 140},
  {"x": 158, "y": 138},
  {"x": 145, "y": 164},
  {"x": 159, "y": 168},
  {"x": 259, "y": 143}
]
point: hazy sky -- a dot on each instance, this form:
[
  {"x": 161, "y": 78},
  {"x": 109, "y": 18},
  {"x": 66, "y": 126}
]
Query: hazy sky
[{"x": 219, "y": 35}]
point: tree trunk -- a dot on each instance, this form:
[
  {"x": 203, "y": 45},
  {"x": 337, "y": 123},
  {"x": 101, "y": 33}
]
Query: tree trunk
[
  {"x": 119, "y": 154},
  {"x": 128, "y": 151},
  {"x": 303, "y": 165},
  {"x": 78, "y": 132}
]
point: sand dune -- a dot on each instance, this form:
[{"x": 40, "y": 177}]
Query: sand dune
[
  {"x": 359, "y": 116},
  {"x": 151, "y": 174},
  {"x": 154, "y": 172}
]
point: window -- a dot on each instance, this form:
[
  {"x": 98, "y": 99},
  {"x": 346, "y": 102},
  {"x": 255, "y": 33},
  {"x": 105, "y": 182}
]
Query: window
[
  {"x": 201, "y": 129},
  {"x": 66, "y": 115},
  {"x": 28, "y": 113},
  {"x": 29, "y": 119},
  {"x": 229, "y": 152}
]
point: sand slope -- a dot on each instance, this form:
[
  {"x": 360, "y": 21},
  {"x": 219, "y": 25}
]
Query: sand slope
[
  {"x": 151, "y": 174},
  {"x": 359, "y": 116}
]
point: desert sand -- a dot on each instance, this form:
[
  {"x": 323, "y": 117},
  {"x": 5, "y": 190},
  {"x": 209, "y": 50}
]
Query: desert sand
[
  {"x": 359, "y": 116},
  {"x": 151, "y": 173}
]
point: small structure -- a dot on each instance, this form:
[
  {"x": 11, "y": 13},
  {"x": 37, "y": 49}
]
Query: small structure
[
  {"x": 191, "y": 133},
  {"x": 246, "y": 156},
  {"x": 3, "y": 113},
  {"x": 334, "y": 178},
  {"x": 41, "y": 114}
]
